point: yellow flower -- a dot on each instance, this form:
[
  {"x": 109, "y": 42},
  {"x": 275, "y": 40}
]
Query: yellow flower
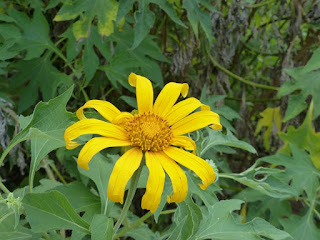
[{"x": 156, "y": 131}]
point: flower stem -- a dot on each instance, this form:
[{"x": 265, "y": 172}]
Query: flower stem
[
  {"x": 131, "y": 192},
  {"x": 3, "y": 187}
]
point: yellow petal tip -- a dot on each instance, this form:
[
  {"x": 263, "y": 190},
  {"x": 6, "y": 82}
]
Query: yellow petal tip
[
  {"x": 216, "y": 126},
  {"x": 205, "y": 107},
  {"x": 184, "y": 90},
  {"x": 132, "y": 79}
]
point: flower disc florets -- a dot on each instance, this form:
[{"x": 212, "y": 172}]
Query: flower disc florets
[{"x": 149, "y": 132}]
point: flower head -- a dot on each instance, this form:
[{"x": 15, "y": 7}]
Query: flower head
[{"x": 157, "y": 131}]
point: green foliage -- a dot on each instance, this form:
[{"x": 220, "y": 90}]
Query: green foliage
[
  {"x": 307, "y": 81},
  {"x": 255, "y": 63}
]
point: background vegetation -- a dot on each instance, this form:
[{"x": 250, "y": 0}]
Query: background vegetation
[{"x": 256, "y": 63}]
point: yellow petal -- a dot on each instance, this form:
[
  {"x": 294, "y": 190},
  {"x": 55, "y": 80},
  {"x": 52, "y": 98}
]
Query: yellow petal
[
  {"x": 94, "y": 146},
  {"x": 106, "y": 109},
  {"x": 168, "y": 97},
  {"x": 178, "y": 179},
  {"x": 144, "y": 92},
  {"x": 92, "y": 126},
  {"x": 184, "y": 142},
  {"x": 122, "y": 118},
  {"x": 196, "y": 164},
  {"x": 151, "y": 199},
  {"x": 122, "y": 171},
  {"x": 196, "y": 121},
  {"x": 182, "y": 109}
]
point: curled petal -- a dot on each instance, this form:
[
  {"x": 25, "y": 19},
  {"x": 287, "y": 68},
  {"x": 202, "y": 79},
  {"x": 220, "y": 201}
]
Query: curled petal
[
  {"x": 144, "y": 92},
  {"x": 122, "y": 118},
  {"x": 196, "y": 121},
  {"x": 178, "y": 179},
  {"x": 196, "y": 164},
  {"x": 94, "y": 146},
  {"x": 184, "y": 142},
  {"x": 151, "y": 199},
  {"x": 168, "y": 97},
  {"x": 92, "y": 126},
  {"x": 182, "y": 109},
  {"x": 122, "y": 171},
  {"x": 106, "y": 109}
]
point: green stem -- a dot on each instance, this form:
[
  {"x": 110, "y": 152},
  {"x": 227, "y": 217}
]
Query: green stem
[
  {"x": 56, "y": 171},
  {"x": 136, "y": 223},
  {"x": 141, "y": 220},
  {"x": 214, "y": 62},
  {"x": 3, "y": 187},
  {"x": 131, "y": 192}
]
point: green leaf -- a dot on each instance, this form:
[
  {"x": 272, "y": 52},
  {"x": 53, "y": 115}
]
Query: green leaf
[
  {"x": 191, "y": 224},
  {"x": 301, "y": 227},
  {"x": 11, "y": 35},
  {"x": 101, "y": 227},
  {"x": 300, "y": 172},
  {"x": 35, "y": 71},
  {"x": 220, "y": 223},
  {"x": 46, "y": 129},
  {"x": 269, "y": 208},
  {"x": 8, "y": 231},
  {"x": 100, "y": 171},
  {"x": 144, "y": 21},
  {"x": 104, "y": 10},
  {"x": 271, "y": 118},
  {"x": 216, "y": 138},
  {"x": 35, "y": 37},
  {"x": 313, "y": 63},
  {"x": 304, "y": 137},
  {"x": 266, "y": 185},
  {"x": 169, "y": 9},
  {"x": 308, "y": 82},
  {"x": 55, "y": 209},
  {"x": 196, "y": 15},
  {"x": 79, "y": 196}
]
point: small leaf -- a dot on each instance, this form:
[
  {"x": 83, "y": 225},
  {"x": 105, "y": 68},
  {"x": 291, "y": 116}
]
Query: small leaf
[
  {"x": 218, "y": 138},
  {"x": 55, "y": 209},
  {"x": 271, "y": 118}
]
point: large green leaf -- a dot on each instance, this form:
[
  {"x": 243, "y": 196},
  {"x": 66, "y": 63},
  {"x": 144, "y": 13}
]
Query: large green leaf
[
  {"x": 305, "y": 137},
  {"x": 10, "y": 35},
  {"x": 104, "y": 10},
  {"x": 46, "y": 211},
  {"x": 307, "y": 80},
  {"x": 40, "y": 75},
  {"x": 45, "y": 127},
  {"x": 35, "y": 37},
  {"x": 220, "y": 223},
  {"x": 300, "y": 172}
]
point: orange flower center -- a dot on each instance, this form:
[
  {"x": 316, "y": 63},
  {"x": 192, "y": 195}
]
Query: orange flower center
[{"x": 149, "y": 132}]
